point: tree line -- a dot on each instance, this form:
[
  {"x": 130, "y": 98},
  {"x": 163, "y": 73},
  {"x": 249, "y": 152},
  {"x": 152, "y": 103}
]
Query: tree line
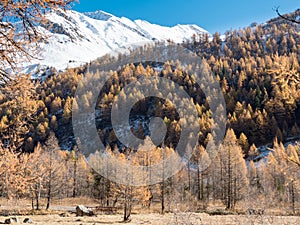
[{"x": 228, "y": 179}]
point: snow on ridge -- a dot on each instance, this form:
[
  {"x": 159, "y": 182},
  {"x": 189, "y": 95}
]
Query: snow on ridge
[
  {"x": 99, "y": 15},
  {"x": 77, "y": 38}
]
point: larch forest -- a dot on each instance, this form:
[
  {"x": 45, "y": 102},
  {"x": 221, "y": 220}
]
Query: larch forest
[{"x": 255, "y": 171}]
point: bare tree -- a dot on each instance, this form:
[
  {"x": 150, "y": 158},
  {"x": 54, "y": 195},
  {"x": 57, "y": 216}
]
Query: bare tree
[
  {"x": 54, "y": 167},
  {"x": 36, "y": 175},
  {"x": 232, "y": 171},
  {"x": 18, "y": 31}
]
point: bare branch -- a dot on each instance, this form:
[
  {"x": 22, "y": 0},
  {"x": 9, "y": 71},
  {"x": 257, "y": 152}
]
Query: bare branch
[
  {"x": 286, "y": 18},
  {"x": 18, "y": 33}
]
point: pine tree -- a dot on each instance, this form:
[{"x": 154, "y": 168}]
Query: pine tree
[
  {"x": 67, "y": 112},
  {"x": 19, "y": 111},
  {"x": 243, "y": 141},
  {"x": 253, "y": 152}
]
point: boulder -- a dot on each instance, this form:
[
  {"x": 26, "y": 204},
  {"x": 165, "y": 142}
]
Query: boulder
[
  {"x": 83, "y": 211},
  {"x": 9, "y": 221},
  {"x": 64, "y": 214},
  {"x": 15, "y": 219},
  {"x": 27, "y": 220},
  {"x": 12, "y": 220}
]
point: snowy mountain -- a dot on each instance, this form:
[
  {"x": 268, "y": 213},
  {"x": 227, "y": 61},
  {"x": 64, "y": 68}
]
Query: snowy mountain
[{"x": 76, "y": 38}]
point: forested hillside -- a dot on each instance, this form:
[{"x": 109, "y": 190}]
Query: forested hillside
[
  {"x": 259, "y": 75},
  {"x": 257, "y": 68}
]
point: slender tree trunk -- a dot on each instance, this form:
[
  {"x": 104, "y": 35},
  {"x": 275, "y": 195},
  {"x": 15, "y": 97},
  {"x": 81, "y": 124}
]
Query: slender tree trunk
[
  {"x": 189, "y": 175},
  {"x": 198, "y": 183},
  {"x": 150, "y": 177},
  {"x": 202, "y": 186},
  {"x": 49, "y": 190},
  {"x": 163, "y": 197},
  {"x": 163, "y": 186},
  {"x": 228, "y": 205},
  {"x": 48, "y": 196},
  {"x": 127, "y": 203},
  {"x": 74, "y": 176},
  {"x": 37, "y": 198},
  {"x": 213, "y": 185},
  {"x": 37, "y": 202},
  {"x": 125, "y": 207},
  {"x": 207, "y": 189},
  {"x": 293, "y": 197},
  {"x": 235, "y": 191},
  {"x": 32, "y": 198},
  {"x": 32, "y": 203},
  {"x": 107, "y": 192},
  {"x": 38, "y": 195},
  {"x": 222, "y": 193}
]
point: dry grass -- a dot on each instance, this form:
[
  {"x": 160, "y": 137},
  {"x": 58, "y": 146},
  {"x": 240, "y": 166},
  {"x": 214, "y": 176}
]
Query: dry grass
[
  {"x": 158, "y": 219},
  {"x": 140, "y": 216}
]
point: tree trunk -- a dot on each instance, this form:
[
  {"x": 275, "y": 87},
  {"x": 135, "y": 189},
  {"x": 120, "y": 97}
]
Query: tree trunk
[
  {"x": 38, "y": 195},
  {"x": 189, "y": 176},
  {"x": 228, "y": 198},
  {"x": 207, "y": 189},
  {"x": 74, "y": 177},
  {"x": 32, "y": 203},
  {"x": 48, "y": 197},
  {"x": 49, "y": 190},
  {"x": 293, "y": 197},
  {"x": 107, "y": 191},
  {"x": 198, "y": 183},
  {"x": 127, "y": 204},
  {"x": 163, "y": 186},
  {"x": 163, "y": 197},
  {"x": 37, "y": 198},
  {"x": 202, "y": 186},
  {"x": 125, "y": 209}
]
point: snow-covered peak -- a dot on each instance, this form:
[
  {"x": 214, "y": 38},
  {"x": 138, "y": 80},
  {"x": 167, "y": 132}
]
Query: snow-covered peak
[
  {"x": 99, "y": 15},
  {"x": 77, "y": 38}
]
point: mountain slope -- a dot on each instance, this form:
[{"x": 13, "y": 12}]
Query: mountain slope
[{"x": 76, "y": 38}]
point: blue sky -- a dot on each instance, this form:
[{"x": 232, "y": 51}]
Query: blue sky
[{"x": 212, "y": 15}]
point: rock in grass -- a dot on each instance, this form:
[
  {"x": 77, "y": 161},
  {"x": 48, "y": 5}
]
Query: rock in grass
[
  {"x": 15, "y": 219},
  {"x": 27, "y": 220},
  {"x": 12, "y": 220},
  {"x": 83, "y": 211},
  {"x": 64, "y": 214},
  {"x": 9, "y": 221}
]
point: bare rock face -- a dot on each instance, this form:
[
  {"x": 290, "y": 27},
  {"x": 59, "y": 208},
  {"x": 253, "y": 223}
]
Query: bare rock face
[{"x": 83, "y": 211}]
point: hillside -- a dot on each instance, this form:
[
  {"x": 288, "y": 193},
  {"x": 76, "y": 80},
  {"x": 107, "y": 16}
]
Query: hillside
[{"x": 258, "y": 69}]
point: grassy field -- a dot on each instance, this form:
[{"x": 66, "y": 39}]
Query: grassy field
[
  {"x": 157, "y": 219},
  {"x": 62, "y": 212}
]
